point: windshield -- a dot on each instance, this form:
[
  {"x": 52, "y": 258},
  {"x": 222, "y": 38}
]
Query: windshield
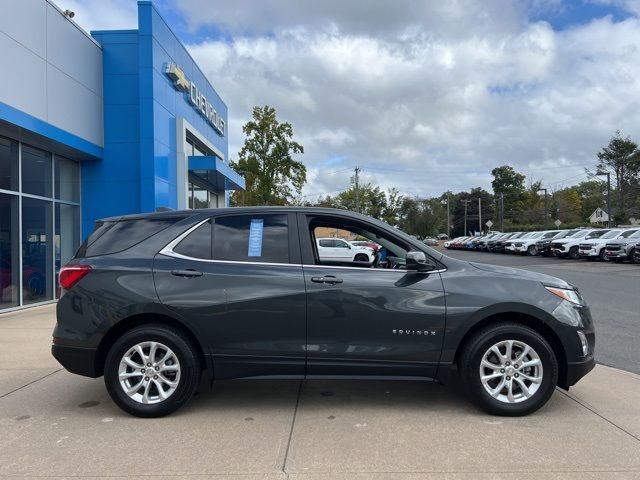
[
  {"x": 578, "y": 233},
  {"x": 609, "y": 234},
  {"x": 566, "y": 233},
  {"x": 536, "y": 235},
  {"x": 631, "y": 234},
  {"x": 599, "y": 233}
]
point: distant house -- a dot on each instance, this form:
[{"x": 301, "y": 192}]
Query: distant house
[{"x": 599, "y": 216}]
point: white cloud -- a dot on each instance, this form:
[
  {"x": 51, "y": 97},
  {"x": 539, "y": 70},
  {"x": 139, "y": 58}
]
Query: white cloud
[{"x": 425, "y": 96}]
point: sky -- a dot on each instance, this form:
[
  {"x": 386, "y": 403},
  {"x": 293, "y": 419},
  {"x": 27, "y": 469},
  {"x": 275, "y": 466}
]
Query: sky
[{"x": 424, "y": 96}]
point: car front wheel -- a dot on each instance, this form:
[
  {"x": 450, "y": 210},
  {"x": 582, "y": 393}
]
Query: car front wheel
[
  {"x": 574, "y": 253},
  {"x": 509, "y": 369},
  {"x": 152, "y": 371}
]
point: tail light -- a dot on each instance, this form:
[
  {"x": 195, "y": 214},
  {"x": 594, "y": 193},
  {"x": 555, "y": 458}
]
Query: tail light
[{"x": 72, "y": 274}]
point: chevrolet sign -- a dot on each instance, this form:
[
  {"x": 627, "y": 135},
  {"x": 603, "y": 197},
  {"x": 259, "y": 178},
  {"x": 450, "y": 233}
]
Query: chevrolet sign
[{"x": 196, "y": 98}]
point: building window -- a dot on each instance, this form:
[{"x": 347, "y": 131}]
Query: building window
[
  {"x": 9, "y": 252},
  {"x": 67, "y": 179},
  {"x": 37, "y": 251},
  {"x": 39, "y": 221},
  {"x": 36, "y": 172},
  {"x": 200, "y": 193},
  {"x": 8, "y": 164}
]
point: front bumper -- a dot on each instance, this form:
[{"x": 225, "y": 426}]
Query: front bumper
[
  {"x": 592, "y": 252},
  {"x": 577, "y": 370},
  {"x": 78, "y": 360}
]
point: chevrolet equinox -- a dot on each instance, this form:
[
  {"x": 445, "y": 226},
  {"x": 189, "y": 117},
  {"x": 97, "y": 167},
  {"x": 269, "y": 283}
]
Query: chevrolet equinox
[{"x": 150, "y": 301}]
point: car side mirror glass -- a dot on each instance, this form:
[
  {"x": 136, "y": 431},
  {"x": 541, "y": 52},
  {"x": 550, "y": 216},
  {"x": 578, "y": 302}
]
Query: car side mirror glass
[{"x": 418, "y": 261}]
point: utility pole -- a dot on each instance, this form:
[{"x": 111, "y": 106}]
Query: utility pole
[
  {"x": 480, "y": 215},
  {"x": 546, "y": 215},
  {"x": 502, "y": 212},
  {"x": 356, "y": 181},
  {"x": 448, "y": 219},
  {"x": 608, "y": 174},
  {"x": 466, "y": 202}
]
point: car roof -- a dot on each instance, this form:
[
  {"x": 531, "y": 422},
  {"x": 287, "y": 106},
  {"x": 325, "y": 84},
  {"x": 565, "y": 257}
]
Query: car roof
[{"x": 236, "y": 210}]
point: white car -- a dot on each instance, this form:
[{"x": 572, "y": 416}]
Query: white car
[
  {"x": 569, "y": 245},
  {"x": 339, "y": 250},
  {"x": 594, "y": 248},
  {"x": 527, "y": 245},
  {"x": 509, "y": 245}
]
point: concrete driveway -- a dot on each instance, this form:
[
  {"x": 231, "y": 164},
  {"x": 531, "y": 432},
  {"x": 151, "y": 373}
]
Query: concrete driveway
[{"x": 54, "y": 424}]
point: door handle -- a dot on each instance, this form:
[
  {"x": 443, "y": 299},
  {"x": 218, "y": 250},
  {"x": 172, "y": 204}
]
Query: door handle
[
  {"x": 189, "y": 272},
  {"x": 329, "y": 279}
]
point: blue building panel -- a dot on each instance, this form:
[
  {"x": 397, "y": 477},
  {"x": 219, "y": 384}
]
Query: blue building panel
[{"x": 139, "y": 172}]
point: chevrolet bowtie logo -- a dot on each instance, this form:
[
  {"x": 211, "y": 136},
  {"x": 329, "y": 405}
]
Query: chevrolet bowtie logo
[{"x": 175, "y": 73}]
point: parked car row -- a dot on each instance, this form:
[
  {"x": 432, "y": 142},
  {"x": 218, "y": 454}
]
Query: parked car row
[{"x": 616, "y": 244}]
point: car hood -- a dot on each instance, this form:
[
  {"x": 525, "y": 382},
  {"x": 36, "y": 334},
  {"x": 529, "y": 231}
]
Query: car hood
[{"x": 517, "y": 272}]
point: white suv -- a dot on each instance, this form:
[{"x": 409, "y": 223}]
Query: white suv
[
  {"x": 594, "y": 247},
  {"x": 569, "y": 245},
  {"x": 339, "y": 250},
  {"x": 527, "y": 246}
]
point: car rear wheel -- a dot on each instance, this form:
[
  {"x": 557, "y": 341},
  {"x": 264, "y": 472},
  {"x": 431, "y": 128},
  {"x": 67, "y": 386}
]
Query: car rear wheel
[
  {"x": 508, "y": 369},
  {"x": 574, "y": 253},
  {"x": 361, "y": 257},
  {"x": 152, "y": 371}
]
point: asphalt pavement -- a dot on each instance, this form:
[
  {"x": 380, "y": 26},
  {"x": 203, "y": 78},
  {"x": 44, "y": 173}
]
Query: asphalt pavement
[{"x": 611, "y": 290}]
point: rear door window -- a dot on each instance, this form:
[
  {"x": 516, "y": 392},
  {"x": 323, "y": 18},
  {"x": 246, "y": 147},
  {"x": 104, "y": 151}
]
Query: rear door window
[
  {"x": 251, "y": 238},
  {"x": 197, "y": 244}
]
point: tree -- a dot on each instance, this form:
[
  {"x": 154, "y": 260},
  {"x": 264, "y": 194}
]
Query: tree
[
  {"x": 422, "y": 216},
  {"x": 372, "y": 201},
  {"x": 592, "y": 195},
  {"x": 506, "y": 181},
  {"x": 621, "y": 158},
  {"x": 272, "y": 175}
]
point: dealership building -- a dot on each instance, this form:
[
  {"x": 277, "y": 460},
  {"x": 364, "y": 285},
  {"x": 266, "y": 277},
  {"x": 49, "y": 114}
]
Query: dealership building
[{"x": 95, "y": 125}]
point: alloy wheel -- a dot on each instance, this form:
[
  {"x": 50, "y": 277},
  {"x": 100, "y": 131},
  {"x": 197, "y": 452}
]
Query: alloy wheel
[
  {"x": 511, "y": 371},
  {"x": 149, "y": 372}
]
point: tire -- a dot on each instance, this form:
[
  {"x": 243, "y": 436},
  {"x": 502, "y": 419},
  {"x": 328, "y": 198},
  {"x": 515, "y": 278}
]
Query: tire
[
  {"x": 602, "y": 256},
  {"x": 478, "y": 346},
  {"x": 574, "y": 253},
  {"x": 632, "y": 256},
  {"x": 532, "y": 250},
  {"x": 186, "y": 376},
  {"x": 361, "y": 257}
]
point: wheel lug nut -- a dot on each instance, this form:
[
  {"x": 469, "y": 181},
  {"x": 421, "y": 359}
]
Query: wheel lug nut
[
  {"x": 142, "y": 370},
  {"x": 148, "y": 364},
  {"x": 157, "y": 368},
  {"x": 508, "y": 363},
  {"x": 516, "y": 365},
  {"x": 502, "y": 370},
  {"x": 508, "y": 378},
  {"x": 516, "y": 375},
  {"x": 146, "y": 379},
  {"x": 155, "y": 376}
]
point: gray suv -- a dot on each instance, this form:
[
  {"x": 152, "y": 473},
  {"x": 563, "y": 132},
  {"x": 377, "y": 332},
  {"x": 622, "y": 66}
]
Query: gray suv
[
  {"x": 623, "y": 247},
  {"x": 152, "y": 301}
]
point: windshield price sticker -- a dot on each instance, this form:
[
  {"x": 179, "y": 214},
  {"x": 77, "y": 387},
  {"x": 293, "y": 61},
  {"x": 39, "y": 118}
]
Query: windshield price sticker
[{"x": 255, "y": 237}]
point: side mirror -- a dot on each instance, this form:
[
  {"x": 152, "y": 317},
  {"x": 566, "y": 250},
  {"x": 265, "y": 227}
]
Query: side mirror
[{"x": 418, "y": 261}]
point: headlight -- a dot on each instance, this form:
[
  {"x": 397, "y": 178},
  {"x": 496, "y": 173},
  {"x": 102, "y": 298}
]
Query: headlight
[{"x": 567, "y": 294}]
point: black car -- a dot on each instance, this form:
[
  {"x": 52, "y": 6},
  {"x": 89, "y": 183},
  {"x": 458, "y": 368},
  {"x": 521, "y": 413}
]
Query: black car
[{"x": 150, "y": 301}]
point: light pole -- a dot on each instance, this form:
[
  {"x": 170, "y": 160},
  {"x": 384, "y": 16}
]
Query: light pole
[
  {"x": 466, "y": 202},
  {"x": 608, "y": 174},
  {"x": 545, "y": 206},
  {"x": 448, "y": 219},
  {"x": 480, "y": 215}
]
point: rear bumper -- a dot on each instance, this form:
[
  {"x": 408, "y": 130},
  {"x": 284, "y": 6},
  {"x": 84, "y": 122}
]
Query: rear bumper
[
  {"x": 577, "y": 370},
  {"x": 78, "y": 360}
]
